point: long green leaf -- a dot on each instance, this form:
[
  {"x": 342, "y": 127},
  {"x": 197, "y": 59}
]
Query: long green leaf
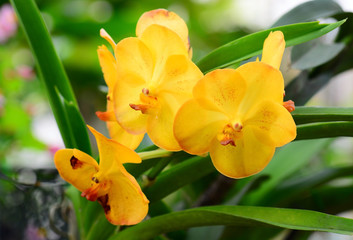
[
  {"x": 178, "y": 176},
  {"x": 304, "y": 115},
  {"x": 324, "y": 130},
  {"x": 50, "y": 68},
  {"x": 251, "y": 45},
  {"x": 238, "y": 216}
]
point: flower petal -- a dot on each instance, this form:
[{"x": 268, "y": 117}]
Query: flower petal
[
  {"x": 160, "y": 126},
  {"x": 221, "y": 90},
  {"x": 162, "y": 43},
  {"x": 124, "y": 94},
  {"x": 195, "y": 127},
  {"x": 273, "y": 49},
  {"x": 247, "y": 158},
  {"x": 179, "y": 77},
  {"x": 108, "y": 65},
  {"x": 263, "y": 83},
  {"x": 125, "y": 203},
  {"x": 107, "y": 37},
  {"x": 164, "y": 18},
  {"x": 112, "y": 152},
  {"x": 76, "y": 167},
  {"x": 273, "y": 122},
  {"x": 132, "y": 55}
]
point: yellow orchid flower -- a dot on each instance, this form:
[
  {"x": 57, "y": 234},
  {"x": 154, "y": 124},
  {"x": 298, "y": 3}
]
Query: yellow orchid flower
[
  {"x": 155, "y": 77},
  {"x": 109, "y": 183},
  {"x": 238, "y": 115},
  {"x": 109, "y": 68}
]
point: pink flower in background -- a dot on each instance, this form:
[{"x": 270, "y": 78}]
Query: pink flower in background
[
  {"x": 26, "y": 72},
  {"x": 8, "y": 22}
]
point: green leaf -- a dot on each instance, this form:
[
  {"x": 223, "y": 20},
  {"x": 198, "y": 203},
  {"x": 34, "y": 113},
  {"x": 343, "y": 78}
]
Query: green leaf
[
  {"x": 251, "y": 45},
  {"x": 78, "y": 127},
  {"x": 309, "y": 11},
  {"x": 324, "y": 130},
  {"x": 303, "y": 115},
  {"x": 178, "y": 176},
  {"x": 238, "y": 216},
  {"x": 286, "y": 162},
  {"x": 51, "y": 71},
  {"x": 297, "y": 185},
  {"x": 313, "y": 54}
]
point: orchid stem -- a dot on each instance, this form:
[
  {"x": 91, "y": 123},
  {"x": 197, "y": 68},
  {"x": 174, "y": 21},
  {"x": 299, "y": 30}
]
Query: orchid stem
[{"x": 154, "y": 154}]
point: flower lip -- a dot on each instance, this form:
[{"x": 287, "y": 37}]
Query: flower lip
[{"x": 230, "y": 134}]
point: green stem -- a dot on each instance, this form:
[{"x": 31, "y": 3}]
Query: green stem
[
  {"x": 154, "y": 154},
  {"x": 324, "y": 130},
  {"x": 158, "y": 168},
  {"x": 303, "y": 115}
]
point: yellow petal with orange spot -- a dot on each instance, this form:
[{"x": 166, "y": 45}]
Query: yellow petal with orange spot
[
  {"x": 247, "y": 158},
  {"x": 195, "y": 127},
  {"x": 112, "y": 152},
  {"x": 263, "y": 83},
  {"x": 76, "y": 167},
  {"x": 108, "y": 65},
  {"x": 160, "y": 125},
  {"x": 273, "y": 122},
  {"x": 162, "y": 43},
  {"x": 164, "y": 18},
  {"x": 125, "y": 203},
  {"x": 221, "y": 90},
  {"x": 273, "y": 49}
]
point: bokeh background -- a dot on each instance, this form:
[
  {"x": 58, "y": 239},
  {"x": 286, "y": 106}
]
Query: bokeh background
[{"x": 30, "y": 192}]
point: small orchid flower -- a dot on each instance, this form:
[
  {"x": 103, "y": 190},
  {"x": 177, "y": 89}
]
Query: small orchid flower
[
  {"x": 238, "y": 115},
  {"x": 107, "y": 182}
]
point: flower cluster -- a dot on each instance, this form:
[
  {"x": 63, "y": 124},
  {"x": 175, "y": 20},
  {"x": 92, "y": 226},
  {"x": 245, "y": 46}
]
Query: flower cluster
[{"x": 238, "y": 116}]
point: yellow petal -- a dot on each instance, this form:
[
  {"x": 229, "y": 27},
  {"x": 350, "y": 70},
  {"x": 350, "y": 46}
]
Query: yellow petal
[
  {"x": 273, "y": 49},
  {"x": 162, "y": 43},
  {"x": 124, "y": 94},
  {"x": 160, "y": 126},
  {"x": 195, "y": 127},
  {"x": 273, "y": 122},
  {"x": 221, "y": 90},
  {"x": 263, "y": 83},
  {"x": 76, "y": 167},
  {"x": 125, "y": 203},
  {"x": 247, "y": 158},
  {"x": 179, "y": 77},
  {"x": 134, "y": 56},
  {"x": 164, "y": 18},
  {"x": 107, "y": 116},
  {"x": 112, "y": 152},
  {"x": 107, "y": 37},
  {"x": 119, "y": 134},
  {"x": 108, "y": 65}
]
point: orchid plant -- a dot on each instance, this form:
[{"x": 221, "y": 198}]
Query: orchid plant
[{"x": 215, "y": 120}]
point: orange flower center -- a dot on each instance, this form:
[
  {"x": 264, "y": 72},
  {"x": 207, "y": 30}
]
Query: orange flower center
[
  {"x": 148, "y": 104},
  {"x": 97, "y": 189},
  {"x": 289, "y": 105},
  {"x": 230, "y": 133}
]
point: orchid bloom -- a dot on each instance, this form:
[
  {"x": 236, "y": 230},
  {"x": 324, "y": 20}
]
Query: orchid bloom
[
  {"x": 238, "y": 115},
  {"x": 109, "y": 68},
  {"x": 155, "y": 76},
  {"x": 107, "y": 182}
]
